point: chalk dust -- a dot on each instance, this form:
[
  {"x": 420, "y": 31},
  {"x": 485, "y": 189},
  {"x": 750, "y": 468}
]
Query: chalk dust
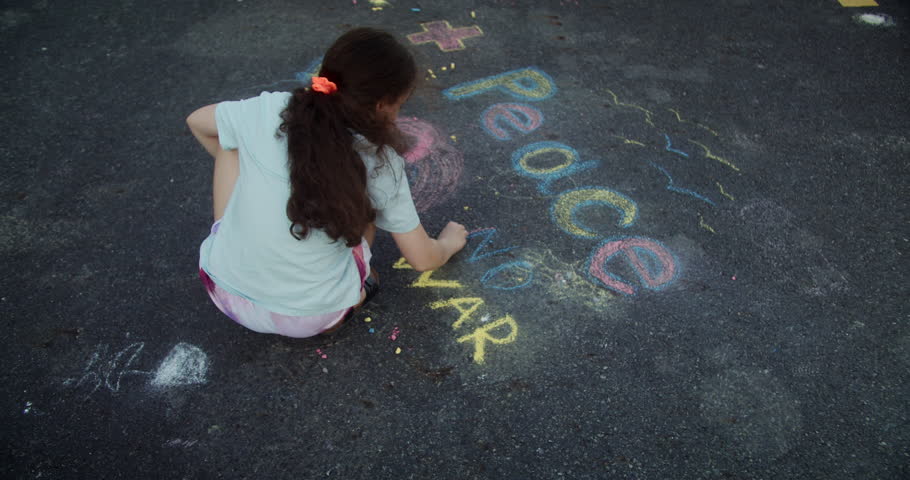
[{"x": 184, "y": 365}]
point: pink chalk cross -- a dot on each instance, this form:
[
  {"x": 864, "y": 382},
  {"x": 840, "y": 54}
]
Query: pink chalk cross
[{"x": 448, "y": 39}]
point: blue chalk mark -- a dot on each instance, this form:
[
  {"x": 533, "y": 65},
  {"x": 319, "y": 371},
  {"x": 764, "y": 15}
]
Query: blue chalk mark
[
  {"x": 670, "y": 149},
  {"x": 305, "y": 77},
  {"x": 488, "y": 234},
  {"x": 522, "y": 82},
  {"x": 546, "y": 179},
  {"x": 674, "y": 188},
  {"x": 648, "y": 259},
  {"x": 491, "y": 273}
]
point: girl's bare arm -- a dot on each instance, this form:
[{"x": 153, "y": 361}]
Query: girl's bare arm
[
  {"x": 202, "y": 124},
  {"x": 425, "y": 253}
]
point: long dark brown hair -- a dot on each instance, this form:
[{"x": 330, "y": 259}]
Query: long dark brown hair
[{"x": 328, "y": 178}]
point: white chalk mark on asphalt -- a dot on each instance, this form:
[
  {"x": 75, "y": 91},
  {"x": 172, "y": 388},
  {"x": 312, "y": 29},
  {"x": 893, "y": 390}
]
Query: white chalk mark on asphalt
[{"x": 185, "y": 365}]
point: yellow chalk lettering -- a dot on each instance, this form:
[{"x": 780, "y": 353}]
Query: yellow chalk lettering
[
  {"x": 466, "y": 306},
  {"x": 481, "y": 335},
  {"x": 425, "y": 281},
  {"x": 402, "y": 264},
  {"x": 569, "y": 155},
  {"x": 565, "y": 206}
]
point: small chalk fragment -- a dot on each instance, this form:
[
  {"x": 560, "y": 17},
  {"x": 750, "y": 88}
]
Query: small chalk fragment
[
  {"x": 368, "y": 319},
  {"x": 415, "y": 9},
  {"x": 454, "y": 138},
  {"x": 467, "y": 208},
  {"x": 473, "y": 15},
  {"x": 452, "y": 66},
  {"x": 444, "y": 68},
  {"x": 733, "y": 277},
  {"x": 397, "y": 350},
  {"x": 372, "y": 330}
]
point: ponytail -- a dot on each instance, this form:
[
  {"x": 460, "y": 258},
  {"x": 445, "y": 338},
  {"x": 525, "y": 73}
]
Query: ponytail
[{"x": 328, "y": 178}]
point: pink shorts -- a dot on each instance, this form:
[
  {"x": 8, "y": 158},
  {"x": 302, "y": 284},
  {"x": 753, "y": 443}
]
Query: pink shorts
[{"x": 259, "y": 319}]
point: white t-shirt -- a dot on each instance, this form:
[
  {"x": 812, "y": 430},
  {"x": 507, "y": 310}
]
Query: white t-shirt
[{"x": 254, "y": 254}]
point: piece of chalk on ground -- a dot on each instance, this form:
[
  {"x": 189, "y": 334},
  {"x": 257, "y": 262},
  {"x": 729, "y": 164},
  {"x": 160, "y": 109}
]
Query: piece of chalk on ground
[
  {"x": 372, "y": 331},
  {"x": 397, "y": 350},
  {"x": 467, "y": 207},
  {"x": 415, "y": 9},
  {"x": 368, "y": 319},
  {"x": 454, "y": 138},
  {"x": 444, "y": 68},
  {"x": 473, "y": 15},
  {"x": 452, "y": 66}
]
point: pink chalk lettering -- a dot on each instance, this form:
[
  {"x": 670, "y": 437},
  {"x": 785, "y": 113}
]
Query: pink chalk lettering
[
  {"x": 654, "y": 264},
  {"x": 526, "y": 121}
]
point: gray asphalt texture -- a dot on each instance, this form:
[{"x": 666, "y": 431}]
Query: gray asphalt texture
[{"x": 765, "y": 333}]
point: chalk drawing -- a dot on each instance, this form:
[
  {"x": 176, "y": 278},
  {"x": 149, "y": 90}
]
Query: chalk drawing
[
  {"x": 565, "y": 281},
  {"x": 445, "y": 37},
  {"x": 426, "y": 280},
  {"x": 722, "y": 192},
  {"x": 402, "y": 264},
  {"x": 629, "y": 141},
  {"x": 524, "y": 161},
  {"x": 673, "y": 188},
  {"x": 488, "y": 235},
  {"x": 525, "y": 83},
  {"x": 564, "y": 208},
  {"x": 522, "y": 273},
  {"x": 715, "y": 157},
  {"x": 466, "y": 307},
  {"x": 184, "y": 365},
  {"x": 652, "y": 262},
  {"x": 673, "y": 150},
  {"x": 481, "y": 336},
  {"x": 306, "y": 76},
  {"x": 522, "y": 117},
  {"x": 648, "y": 113},
  {"x": 858, "y": 3},
  {"x": 434, "y": 165},
  {"x": 177, "y": 442},
  {"x": 703, "y": 224},
  {"x": 680, "y": 120},
  {"x": 874, "y": 19}
]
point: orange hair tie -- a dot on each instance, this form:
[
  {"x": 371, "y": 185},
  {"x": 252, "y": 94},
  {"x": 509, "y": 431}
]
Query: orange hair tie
[{"x": 323, "y": 85}]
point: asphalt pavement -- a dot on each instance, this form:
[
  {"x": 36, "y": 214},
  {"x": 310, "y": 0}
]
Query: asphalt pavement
[{"x": 689, "y": 231}]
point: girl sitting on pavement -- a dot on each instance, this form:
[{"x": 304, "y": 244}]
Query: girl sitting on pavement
[{"x": 301, "y": 182}]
